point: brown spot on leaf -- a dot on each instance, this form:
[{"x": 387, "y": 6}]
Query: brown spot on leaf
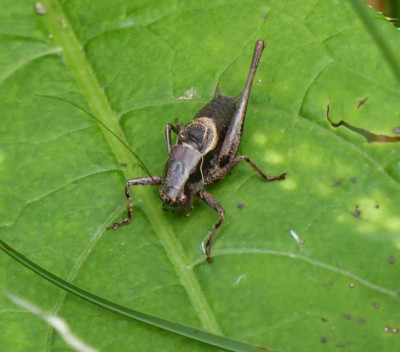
[
  {"x": 361, "y": 320},
  {"x": 362, "y": 102},
  {"x": 337, "y": 183},
  {"x": 369, "y": 136},
  {"x": 357, "y": 212}
]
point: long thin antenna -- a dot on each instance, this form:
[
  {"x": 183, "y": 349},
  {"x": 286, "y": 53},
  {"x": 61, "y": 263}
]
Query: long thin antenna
[{"x": 104, "y": 126}]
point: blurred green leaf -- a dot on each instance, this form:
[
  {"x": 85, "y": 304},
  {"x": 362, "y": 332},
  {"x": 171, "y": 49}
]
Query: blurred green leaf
[
  {"x": 131, "y": 63},
  {"x": 179, "y": 329}
]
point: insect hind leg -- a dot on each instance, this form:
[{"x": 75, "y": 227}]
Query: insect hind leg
[{"x": 227, "y": 169}]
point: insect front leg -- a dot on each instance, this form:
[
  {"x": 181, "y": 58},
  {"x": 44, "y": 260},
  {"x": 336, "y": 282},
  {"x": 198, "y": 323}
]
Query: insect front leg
[
  {"x": 218, "y": 174},
  {"x": 143, "y": 181},
  {"x": 213, "y": 203},
  {"x": 168, "y": 128}
]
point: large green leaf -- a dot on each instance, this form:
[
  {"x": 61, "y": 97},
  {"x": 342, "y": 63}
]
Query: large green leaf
[{"x": 130, "y": 62}]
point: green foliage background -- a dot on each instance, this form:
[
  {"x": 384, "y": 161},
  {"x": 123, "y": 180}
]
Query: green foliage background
[{"x": 130, "y": 62}]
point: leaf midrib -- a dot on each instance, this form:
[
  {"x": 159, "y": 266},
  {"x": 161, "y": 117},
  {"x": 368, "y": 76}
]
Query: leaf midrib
[{"x": 81, "y": 69}]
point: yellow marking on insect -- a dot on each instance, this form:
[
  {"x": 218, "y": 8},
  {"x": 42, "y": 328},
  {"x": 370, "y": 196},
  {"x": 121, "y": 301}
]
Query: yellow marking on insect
[
  {"x": 210, "y": 132},
  {"x": 201, "y": 169},
  {"x": 187, "y": 145}
]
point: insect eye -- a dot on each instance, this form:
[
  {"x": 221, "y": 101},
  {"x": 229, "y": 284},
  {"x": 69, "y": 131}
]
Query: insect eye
[{"x": 183, "y": 199}]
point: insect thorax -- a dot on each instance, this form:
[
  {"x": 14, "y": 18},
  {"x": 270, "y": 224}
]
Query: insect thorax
[{"x": 200, "y": 134}]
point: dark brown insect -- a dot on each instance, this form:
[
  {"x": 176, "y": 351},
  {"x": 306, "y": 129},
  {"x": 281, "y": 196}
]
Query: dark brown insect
[{"x": 205, "y": 152}]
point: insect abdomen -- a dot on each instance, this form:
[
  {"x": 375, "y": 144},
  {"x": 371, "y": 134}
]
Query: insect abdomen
[{"x": 221, "y": 109}]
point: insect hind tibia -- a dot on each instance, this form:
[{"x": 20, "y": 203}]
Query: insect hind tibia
[{"x": 234, "y": 134}]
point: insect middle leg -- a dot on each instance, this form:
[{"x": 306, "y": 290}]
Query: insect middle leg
[
  {"x": 143, "y": 181},
  {"x": 222, "y": 172},
  {"x": 213, "y": 203}
]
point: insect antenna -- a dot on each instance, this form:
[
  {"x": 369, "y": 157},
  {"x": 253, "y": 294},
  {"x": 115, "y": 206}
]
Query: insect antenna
[{"x": 141, "y": 163}]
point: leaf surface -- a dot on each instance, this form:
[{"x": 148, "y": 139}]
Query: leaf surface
[{"x": 131, "y": 64}]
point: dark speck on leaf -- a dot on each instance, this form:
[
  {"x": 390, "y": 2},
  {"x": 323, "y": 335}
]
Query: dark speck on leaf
[
  {"x": 353, "y": 180},
  {"x": 337, "y": 183},
  {"x": 391, "y": 259},
  {"x": 357, "y": 212},
  {"x": 240, "y": 205},
  {"x": 361, "y": 320},
  {"x": 324, "y": 340},
  {"x": 361, "y": 102},
  {"x": 347, "y": 316},
  {"x": 375, "y": 305}
]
